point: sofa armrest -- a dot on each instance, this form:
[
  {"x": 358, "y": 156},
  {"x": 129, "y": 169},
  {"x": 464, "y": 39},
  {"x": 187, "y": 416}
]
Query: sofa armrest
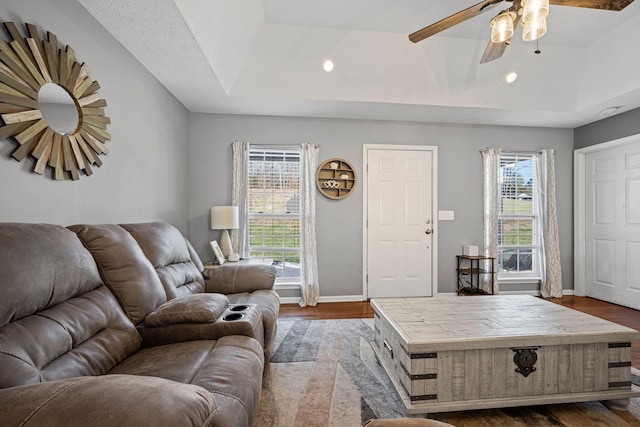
[
  {"x": 195, "y": 308},
  {"x": 108, "y": 400},
  {"x": 235, "y": 319},
  {"x": 234, "y": 278}
]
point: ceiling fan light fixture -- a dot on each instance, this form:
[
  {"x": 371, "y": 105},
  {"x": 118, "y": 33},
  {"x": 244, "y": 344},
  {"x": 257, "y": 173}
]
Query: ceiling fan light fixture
[
  {"x": 535, "y": 28},
  {"x": 533, "y": 9},
  {"x": 502, "y": 26}
]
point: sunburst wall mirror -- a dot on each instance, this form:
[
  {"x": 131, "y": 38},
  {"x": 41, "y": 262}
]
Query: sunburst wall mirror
[{"x": 50, "y": 106}]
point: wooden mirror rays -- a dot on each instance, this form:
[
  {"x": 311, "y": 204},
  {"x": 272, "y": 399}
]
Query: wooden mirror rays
[{"x": 26, "y": 65}]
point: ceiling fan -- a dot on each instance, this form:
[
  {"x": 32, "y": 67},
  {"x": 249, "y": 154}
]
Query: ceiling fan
[{"x": 532, "y": 13}]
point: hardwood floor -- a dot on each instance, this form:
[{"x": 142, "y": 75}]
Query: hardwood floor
[
  {"x": 353, "y": 310},
  {"x": 327, "y": 310}
]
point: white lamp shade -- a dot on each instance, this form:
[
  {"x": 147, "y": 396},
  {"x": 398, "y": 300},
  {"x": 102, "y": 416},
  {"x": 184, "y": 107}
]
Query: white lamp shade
[
  {"x": 502, "y": 27},
  {"x": 224, "y": 217},
  {"x": 533, "y": 8},
  {"x": 535, "y": 28}
]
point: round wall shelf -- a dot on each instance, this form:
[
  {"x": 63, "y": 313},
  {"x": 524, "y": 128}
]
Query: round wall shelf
[{"x": 336, "y": 178}]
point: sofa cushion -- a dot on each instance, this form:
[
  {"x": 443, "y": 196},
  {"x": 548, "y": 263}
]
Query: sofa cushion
[
  {"x": 58, "y": 319},
  {"x": 230, "y": 368},
  {"x": 171, "y": 255},
  {"x": 124, "y": 268},
  {"x": 41, "y": 266},
  {"x": 108, "y": 400},
  {"x": 198, "y": 308}
]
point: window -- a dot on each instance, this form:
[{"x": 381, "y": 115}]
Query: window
[
  {"x": 518, "y": 217},
  {"x": 274, "y": 209}
]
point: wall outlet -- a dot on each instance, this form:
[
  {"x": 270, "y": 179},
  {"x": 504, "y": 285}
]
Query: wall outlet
[{"x": 446, "y": 215}]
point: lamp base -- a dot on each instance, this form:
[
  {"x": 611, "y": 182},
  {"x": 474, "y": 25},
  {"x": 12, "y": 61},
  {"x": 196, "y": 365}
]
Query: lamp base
[
  {"x": 225, "y": 244},
  {"x": 234, "y": 257}
]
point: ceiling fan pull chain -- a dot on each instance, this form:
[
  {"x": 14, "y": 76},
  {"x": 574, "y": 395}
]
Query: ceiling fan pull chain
[{"x": 537, "y": 51}]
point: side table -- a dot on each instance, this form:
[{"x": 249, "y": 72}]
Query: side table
[{"x": 471, "y": 275}]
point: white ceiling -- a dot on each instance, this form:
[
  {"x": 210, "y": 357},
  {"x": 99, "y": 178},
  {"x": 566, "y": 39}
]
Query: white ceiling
[{"x": 265, "y": 57}]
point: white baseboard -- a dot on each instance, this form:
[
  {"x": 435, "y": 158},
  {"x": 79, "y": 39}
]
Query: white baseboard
[
  {"x": 343, "y": 298},
  {"x": 338, "y": 298},
  {"x": 289, "y": 300},
  {"x": 535, "y": 293},
  {"x": 359, "y": 298}
]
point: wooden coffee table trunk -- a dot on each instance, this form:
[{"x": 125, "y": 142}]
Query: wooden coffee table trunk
[{"x": 458, "y": 353}]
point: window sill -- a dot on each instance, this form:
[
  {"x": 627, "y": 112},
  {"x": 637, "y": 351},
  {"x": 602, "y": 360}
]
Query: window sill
[
  {"x": 521, "y": 279},
  {"x": 287, "y": 285}
]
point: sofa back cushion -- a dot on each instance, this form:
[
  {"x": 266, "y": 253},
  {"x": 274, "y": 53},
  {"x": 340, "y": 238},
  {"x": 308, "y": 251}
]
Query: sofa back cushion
[
  {"x": 177, "y": 264},
  {"x": 57, "y": 319},
  {"x": 124, "y": 268}
]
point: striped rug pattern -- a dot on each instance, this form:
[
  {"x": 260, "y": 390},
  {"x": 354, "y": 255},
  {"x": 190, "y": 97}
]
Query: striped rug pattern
[{"x": 324, "y": 373}]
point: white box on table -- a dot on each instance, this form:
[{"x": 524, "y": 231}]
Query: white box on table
[{"x": 470, "y": 250}]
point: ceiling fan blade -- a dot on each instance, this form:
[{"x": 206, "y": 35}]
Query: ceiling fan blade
[
  {"x": 452, "y": 20},
  {"x": 493, "y": 51},
  {"x": 615, "y": 5}
]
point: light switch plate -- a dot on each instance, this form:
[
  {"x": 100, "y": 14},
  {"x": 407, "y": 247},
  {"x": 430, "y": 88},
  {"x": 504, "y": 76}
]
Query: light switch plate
[{"x": 446, "y": 215}]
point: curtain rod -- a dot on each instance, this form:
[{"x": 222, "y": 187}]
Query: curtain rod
[
  {"x": 523, "y": 152},
  {"x": 277, "y": 146}
]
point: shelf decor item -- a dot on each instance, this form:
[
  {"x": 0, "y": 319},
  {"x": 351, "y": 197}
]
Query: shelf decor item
[
  {"x": 336, "y": 178},
  {"x": 217, "y": 252},
  {"x": 50, "y": 106}
]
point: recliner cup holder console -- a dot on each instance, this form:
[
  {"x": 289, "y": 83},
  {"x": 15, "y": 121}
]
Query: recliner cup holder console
[
  {"x": 238, "y": 307},
  {"x": 233, "y": 316}
]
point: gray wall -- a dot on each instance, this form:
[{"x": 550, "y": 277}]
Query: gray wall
[
  {"x": 161, "y": 167},
  {"x": 609, "y": 129},
  {"x": 339, "y": 223},
  {"x": 145, "y": 175}
]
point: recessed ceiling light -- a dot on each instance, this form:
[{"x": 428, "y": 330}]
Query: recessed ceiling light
[
  {"x": 328, "y": 65},
  {"x": 610, "y": 110},
  {"x": 511, "y": 77}
]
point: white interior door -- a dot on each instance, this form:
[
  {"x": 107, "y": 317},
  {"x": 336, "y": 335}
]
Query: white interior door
[
  {"x": 400, "y": 221},
  {"x": 612, "y": 225}
]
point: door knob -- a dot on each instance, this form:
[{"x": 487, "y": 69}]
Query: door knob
[{"x": 428, "y": 231}]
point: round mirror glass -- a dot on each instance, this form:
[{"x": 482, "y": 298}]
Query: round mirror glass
[{"x": 58, "y": 109}]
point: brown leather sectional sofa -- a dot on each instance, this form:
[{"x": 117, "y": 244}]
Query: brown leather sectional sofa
[{"x": 120, "y": 325}]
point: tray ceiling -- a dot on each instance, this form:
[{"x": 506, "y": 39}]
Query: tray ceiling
[{"x": 265, "y": 58}]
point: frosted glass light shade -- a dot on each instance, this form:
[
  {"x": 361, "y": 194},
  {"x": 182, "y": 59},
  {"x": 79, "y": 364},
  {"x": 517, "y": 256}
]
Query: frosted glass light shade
[
  {"x": 502, "y": 27},
  {"x": 535, "y": 28},
  {"x": 532, "y": 8},
  {"x": 224, "y": 217}
]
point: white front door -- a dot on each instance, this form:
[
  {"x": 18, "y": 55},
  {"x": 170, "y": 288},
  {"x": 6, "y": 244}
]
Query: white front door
[
  {"x": 612, "y": 225},
  {"x": 399, "y": 220}
]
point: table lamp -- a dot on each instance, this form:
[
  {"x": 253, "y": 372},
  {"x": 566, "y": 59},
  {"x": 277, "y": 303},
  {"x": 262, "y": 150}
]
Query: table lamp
[{"x": 225, "y": 218}]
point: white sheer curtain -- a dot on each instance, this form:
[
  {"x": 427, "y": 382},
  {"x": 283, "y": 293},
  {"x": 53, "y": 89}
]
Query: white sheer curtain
[
  {"x": 551, "y": 284},
  {"x": 308, "y": 256},
  {"x": 551, "y": 272},
  {"x": 240, "y": 197},
  {"x": 491, "y": 165}
]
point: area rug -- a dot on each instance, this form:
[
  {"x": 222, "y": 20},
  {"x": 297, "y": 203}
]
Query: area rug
[{"x": 324, "y": 373}]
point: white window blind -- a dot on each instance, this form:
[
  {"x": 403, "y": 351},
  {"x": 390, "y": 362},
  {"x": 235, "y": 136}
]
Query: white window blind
[
  {"x": 518, "y": 217},
  {"x": 274, "y": 209}
]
